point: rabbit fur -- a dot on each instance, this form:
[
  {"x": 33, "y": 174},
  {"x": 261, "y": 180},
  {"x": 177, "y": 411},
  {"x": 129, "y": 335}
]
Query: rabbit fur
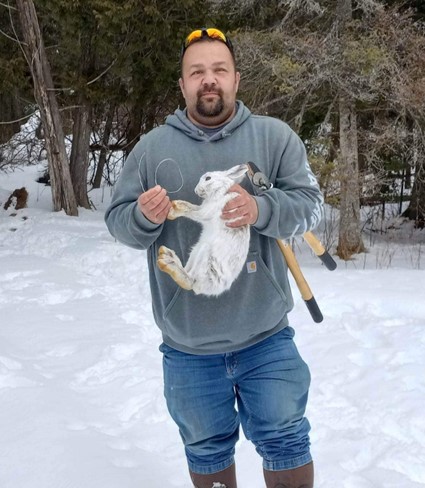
[{"x": 218, "y": 257}]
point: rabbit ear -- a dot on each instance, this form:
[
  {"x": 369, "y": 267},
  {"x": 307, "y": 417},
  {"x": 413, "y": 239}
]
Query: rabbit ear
[{"x": 237, "y": 172}]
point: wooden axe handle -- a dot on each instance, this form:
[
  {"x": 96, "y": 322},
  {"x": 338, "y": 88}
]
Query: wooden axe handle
[
  {"x": 320, "y": 250},
  {"x": 301, "y": 282}
]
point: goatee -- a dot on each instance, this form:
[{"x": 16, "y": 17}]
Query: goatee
[{"x": 209, "y": 109}]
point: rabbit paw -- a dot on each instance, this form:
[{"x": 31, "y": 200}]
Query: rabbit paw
[
  {"x": 179, "y": 208},
  {"x": 167, "y": 256},
  {"x": 174, "y": 212},
  {"x": 169, "y": 263}
]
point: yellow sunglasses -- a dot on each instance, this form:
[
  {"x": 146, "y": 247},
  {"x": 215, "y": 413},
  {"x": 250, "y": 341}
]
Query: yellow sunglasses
[{"x": 199, "y": 34}]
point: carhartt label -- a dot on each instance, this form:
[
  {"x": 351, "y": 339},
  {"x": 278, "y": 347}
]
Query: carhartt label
[{"x": 251, "y": 266}]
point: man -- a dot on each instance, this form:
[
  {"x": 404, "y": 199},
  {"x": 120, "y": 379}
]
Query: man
[{"x": 237, "y": 348}]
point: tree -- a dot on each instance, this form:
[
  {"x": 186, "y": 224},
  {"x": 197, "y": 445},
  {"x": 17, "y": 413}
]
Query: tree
[
  {"x": 416, "y": 209},
  {"x": 355, "y": 94},
  {"x": 352, "y": 93},
  {"x": 104, "y": 144},
  {"x": 82, "y": 114},
  {"x": 111, "y": 53},
  {"x": 350, "y": 238},
  {"x": 33, "y": 46},
  {"x": 14, "y": 86}
]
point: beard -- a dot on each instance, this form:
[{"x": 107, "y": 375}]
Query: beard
[{"x": 210, "y": 109}]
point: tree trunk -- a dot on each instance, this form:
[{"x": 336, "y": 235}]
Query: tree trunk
[
  {"x": 62, "y": 192},
  {"x": 10, "y": 109},
  {"x": 82, "y": 119},
  {"x": 79, "y": 159},
  {"x": 134, "y": 128},
  {"x": 416, "y": 209},
  {"x": 350, "y": 240},
  {"x": 104, "y": 143},
  {"x": 142, "y": 120}
]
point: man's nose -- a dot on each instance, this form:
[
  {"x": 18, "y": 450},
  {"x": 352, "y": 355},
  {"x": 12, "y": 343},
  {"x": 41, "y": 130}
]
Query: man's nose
[{"x": 209, "y": 78}]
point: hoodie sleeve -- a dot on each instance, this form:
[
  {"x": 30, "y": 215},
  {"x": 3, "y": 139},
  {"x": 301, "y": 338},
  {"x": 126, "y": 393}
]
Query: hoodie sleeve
[
  {"x": 295, "y": 204},
  {"x": 123, "y": 218}
]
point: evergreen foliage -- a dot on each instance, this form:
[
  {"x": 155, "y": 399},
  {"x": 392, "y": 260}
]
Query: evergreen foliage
[{"x": 119, "y": 60}]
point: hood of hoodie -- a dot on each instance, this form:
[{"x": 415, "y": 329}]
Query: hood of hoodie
[{"x": 180, "y": 121}]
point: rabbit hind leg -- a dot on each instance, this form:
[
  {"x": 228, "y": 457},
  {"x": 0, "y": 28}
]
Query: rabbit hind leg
[{"x": 169, "y": 263}]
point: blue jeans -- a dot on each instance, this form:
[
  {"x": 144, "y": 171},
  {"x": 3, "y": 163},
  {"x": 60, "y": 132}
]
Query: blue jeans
[{"x": 267, "y": 382}]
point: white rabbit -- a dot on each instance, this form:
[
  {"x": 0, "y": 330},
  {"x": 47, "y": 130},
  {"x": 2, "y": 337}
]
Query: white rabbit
[{"x": 218, "y": 257}]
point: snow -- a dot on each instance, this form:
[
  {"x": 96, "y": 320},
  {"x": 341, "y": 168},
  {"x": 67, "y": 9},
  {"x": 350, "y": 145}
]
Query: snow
[{"x": 81, "y": 403}]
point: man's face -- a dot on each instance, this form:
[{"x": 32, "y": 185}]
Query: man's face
[{"x": 209, "y": 83}]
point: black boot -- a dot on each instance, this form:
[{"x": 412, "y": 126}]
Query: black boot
[
  {"x": 302, "y": 477},
  {"x": 222, "y": 479}
]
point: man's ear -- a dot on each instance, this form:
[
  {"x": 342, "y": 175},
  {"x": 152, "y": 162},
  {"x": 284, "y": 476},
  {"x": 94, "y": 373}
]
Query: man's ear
[
  {"x": 181, "y": 84},
  {"x": 237, "y": 80}
]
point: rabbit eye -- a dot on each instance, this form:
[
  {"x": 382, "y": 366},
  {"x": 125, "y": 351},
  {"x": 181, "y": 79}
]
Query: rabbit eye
[{"x": 207, "y": 178}]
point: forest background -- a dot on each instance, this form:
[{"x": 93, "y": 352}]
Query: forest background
[{"x": 348, "y": 76}]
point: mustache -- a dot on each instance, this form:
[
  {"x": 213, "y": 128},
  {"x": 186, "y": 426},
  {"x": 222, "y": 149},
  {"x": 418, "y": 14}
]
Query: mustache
[{"x": 202, "y": 91}]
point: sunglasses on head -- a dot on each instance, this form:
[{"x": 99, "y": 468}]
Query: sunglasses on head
[{"x": 203, "y": 33}]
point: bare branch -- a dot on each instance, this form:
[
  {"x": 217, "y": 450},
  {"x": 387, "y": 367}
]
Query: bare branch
[
  {"x": 17, "y": 120},
  {"x": 309, "y": 7},
  {"x": 103, "y": 72},
  {"x": 9, "y": 37},
  {"x": 21, "y": 43},
  {"x": 7, "y": 6}
]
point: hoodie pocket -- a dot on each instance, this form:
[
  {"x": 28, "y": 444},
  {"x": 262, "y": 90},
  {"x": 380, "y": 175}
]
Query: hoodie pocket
[
  {"x": 254, "y": 304},
  {"x": 173, "y": 301}
]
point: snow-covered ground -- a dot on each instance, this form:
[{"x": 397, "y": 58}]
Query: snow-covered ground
[{"x": 81, "y": 402}]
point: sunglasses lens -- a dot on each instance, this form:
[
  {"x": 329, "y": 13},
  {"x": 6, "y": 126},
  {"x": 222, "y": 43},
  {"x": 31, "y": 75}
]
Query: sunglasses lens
[
  {"x": 197, "y": 34},
  {"x": 211, "y": 33},
  {"x": 216, "y": 34}
]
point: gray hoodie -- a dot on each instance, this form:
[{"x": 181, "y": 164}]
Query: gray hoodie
[{"x": 175, "y": 155}]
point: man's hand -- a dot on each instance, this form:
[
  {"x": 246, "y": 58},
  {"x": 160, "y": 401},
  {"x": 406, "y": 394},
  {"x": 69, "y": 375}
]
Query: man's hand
[
  {"x": 154, "y": 204},
  {"x": 243, "y": 208}
]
